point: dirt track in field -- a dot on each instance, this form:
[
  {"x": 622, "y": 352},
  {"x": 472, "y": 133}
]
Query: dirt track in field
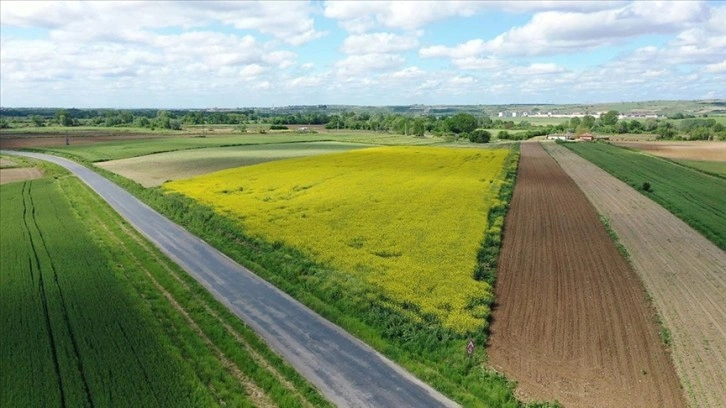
[
  {"x": 684, "y": 272},
  {"x": 708, "y": 151},
  {"x": 571, "y": 321}
]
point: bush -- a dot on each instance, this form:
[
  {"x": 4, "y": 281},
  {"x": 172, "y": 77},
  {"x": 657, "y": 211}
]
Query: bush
[
  {"x": 279, "y": 127},
  {"x": 480, "y": 136},
  {"x": 646, "y": 186}
]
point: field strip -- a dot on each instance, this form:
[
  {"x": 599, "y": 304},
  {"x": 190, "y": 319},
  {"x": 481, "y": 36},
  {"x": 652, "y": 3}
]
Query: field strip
[
  {"x": 29, "y": 213},
  {"x": 257, "y": 395},
  {"x": 684, "y": 273},
  {"x": 259, "y": 359},
  {"x": 571, "y": 322},
  {"x": 346, "y": 370}
]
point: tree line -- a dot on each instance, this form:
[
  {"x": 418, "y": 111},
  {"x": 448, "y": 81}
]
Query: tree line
[{"x": 459, "y": 125}]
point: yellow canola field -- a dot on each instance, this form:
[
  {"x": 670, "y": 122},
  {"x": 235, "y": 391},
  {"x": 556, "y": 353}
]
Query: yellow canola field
[{"x": 408, "y": 220}]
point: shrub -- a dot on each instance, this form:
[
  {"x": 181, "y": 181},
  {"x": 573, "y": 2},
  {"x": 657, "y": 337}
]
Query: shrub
[{"x": 480, "y": 136}]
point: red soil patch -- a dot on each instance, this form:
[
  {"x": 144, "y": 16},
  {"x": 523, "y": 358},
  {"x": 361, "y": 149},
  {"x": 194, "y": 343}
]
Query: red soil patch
[
  {"x": 708, "y": 151},
  {"x": 571, "y": 322}
]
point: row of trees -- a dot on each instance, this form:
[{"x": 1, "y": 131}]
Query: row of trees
[{"x": 460, "y": 125}]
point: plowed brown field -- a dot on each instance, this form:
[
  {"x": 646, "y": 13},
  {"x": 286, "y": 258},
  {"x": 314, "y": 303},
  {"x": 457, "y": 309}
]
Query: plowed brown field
[
  {"x": 571, "y": 321},
  {"x": 683, "y": 271}
]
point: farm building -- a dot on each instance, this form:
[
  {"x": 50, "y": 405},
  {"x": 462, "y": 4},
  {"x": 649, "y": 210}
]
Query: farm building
[{"x": 587, "y": 137}]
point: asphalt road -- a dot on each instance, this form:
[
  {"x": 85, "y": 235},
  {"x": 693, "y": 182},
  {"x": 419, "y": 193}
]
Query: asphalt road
[{"x": 348, "y": 372}]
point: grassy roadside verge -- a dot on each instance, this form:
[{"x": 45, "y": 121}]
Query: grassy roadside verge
[
  {"x": 212, "y": 359},
  {"x": 432, "y": 353}
]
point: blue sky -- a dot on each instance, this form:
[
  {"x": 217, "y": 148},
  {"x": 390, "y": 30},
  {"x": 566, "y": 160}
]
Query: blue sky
[{"x": 273, "y": 53}]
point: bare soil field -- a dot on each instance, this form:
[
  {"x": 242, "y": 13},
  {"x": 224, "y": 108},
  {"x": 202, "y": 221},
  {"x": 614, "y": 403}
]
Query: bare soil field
[
  {"x": 19, "y": 174},
  {"x": 696, "y": 150},
  {"x": 571, "y": 321},
  {"x": 684, "y": 273}
]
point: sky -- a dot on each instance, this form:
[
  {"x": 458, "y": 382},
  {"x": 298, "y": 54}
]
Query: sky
[{"x": 235, "y": 54}]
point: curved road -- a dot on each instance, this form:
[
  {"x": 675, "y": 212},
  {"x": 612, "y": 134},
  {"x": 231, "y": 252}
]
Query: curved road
[{"x": 348, "y": 372}]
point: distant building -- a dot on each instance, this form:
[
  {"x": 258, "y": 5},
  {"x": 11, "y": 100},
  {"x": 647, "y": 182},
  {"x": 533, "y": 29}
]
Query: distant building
[
  {"x": 560, "y": 136},
  {"x": 587, "y": 137}
]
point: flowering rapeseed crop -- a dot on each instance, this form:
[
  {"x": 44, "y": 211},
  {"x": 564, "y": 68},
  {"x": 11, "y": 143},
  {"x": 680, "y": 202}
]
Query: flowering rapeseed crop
[{"x": 408, "y": 220}]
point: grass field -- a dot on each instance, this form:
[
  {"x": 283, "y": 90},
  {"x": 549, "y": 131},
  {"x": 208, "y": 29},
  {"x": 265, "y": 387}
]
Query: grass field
[
  {"x": 121, "y": 149},
  {"x": 383, "y": 215},
  {"x": 85, "y": 129},
  {"x": 154, "y": 169},
  {"x": 695, "y": 197},
  {"x": 713, "y": 167},
  {"x": 104, "y": 319}
]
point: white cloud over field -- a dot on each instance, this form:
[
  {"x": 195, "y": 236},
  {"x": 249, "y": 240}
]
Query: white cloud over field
[{"x": 244, "y": 53}]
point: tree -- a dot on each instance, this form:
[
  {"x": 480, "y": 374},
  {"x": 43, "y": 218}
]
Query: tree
[
  {"x": 63, "y": 118},
  {"x": 636, "y": 126},
  {"x": 37, "y": 121},
  {"x": 419, "y": 127},
  {"x": 480, "y": 136},
  {"x": 462, "y": 123},
  {"x": 575, "y": 122},
  {"x": 610, "y": 118},
  {"x": 588, "y": 121},
  {"x": 665, "y": 131}
]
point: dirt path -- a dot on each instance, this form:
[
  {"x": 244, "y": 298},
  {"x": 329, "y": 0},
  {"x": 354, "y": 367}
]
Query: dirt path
[
  {"x": 684, "y": 273},
  {"x": 571, "y": 321}
]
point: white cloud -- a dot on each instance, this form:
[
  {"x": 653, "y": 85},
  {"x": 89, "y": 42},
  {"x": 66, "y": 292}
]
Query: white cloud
[
  {"x": 556, "y": 32},
  {"x": 360, "y": 16},
  {"x": 537, "y": 69},
  {"x": 252, "y": 70},
  {"x": 381, "y": 43},
  {"x": 369, "y": 62},
  {"x": 719, "y": 67},
  {"x": 306, "y": 81},
  {"x": 462, "y": 80},
  {"x": 410, "y": 72},
  {"x": 288, "y": 21},
  {"x": 479, "y": 64}
]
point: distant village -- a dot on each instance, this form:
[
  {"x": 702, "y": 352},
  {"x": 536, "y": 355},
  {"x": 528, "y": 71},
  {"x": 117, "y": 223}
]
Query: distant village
[{"x": 641, "y": 115}]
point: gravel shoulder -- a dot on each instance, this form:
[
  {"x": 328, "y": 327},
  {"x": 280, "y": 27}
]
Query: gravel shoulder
[{"x": 684, "y": 273}]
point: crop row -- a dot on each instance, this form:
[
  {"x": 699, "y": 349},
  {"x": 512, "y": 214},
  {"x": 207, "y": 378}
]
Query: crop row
[
  {"x": 72, "y": 322},
  {"x": 123, "y": 326},
  {"x": 694, "y": 197}
]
